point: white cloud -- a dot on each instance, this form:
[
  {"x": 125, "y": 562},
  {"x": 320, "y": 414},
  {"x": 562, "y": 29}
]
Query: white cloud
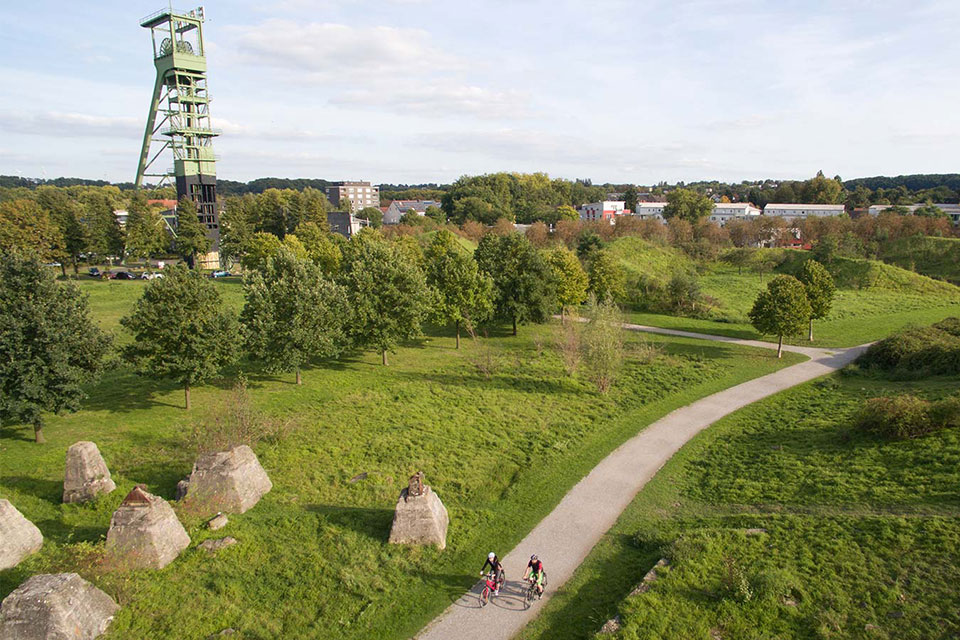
[
  {"x": 329, "y": 51},
  {"x": 57, "y": 123},
  {"x": 439, "y": 101}
]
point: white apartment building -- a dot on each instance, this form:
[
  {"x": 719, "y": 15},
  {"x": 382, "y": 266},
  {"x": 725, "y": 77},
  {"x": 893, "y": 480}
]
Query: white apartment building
[
  {"x": 360, "y": 194},
  {"x": 723, "y": 212},
  {"x": 606, "y": 210},
  {"x": 803, "y": 210},
  {"x": 650, "y": 211}
]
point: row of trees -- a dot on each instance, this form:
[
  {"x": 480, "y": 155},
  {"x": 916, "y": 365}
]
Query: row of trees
[{"x": 298, "y": 307}]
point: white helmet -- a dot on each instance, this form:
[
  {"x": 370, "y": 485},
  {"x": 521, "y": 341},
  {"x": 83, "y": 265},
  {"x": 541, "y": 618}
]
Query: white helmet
[{"x": 491, "y": 555}]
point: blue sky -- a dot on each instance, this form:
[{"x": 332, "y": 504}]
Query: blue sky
[{"x": 409, "y": 91}]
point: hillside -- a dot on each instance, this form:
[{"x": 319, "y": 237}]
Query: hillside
[
  {"x": 873, "y": 298},
  {"x": 934, "y": 257}
]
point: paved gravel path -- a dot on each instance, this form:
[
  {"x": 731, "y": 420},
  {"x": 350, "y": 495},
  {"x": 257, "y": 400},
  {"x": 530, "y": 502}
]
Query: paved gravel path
[{"x": 565, "y": 537}]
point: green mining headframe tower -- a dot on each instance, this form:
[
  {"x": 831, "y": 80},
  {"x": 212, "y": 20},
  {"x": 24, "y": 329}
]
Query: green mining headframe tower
[{"x": 179, "y": 117}]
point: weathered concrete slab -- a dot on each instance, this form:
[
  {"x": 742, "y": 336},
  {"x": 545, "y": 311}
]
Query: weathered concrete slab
[
  {"x": 420, "y": 519},
  {"x": 18, "y": 536},
  {"x": 86, "y": 475},
  {"x": 145, "y": 532},
  {"x": 231, "y": 481},
  {"x": 58, "y": 606}
]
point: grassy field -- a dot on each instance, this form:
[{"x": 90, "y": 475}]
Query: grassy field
[
  {"x": 861, "y": 536},
  {"x": 312, "y": 559},
  {"x": 873, "y": 299}
]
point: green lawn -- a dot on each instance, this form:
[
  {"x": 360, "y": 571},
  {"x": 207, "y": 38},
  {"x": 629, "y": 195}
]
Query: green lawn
[
  {"x": 312, "y": 560},
  {"x": 862, "y": 536}
]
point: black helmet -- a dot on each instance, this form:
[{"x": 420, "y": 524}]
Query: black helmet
[{"x": 533, "y": 558}]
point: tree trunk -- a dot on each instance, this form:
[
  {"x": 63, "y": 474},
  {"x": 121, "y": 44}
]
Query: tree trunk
[
  {"x": 38, "y": 431},
  {"x": 780, "y": 347},
  {"x": 562, "y": 316},
  {"x": 299, "y": 378},
  {"x": 514, "y": 325},
  {"x": 384, "y": 354},
  {"x": 186, "y": 395},
  {"x": 810, "y": 337},
  {"x": 76, "y": 269},
  {"x": 458, "y": 334},
  {"x": 63, "y": 268}
]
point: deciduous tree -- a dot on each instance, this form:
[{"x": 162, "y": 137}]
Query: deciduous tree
[
  {"x": 820, "y": 290},
  {"x": 25, "y": 226},
  {"x": 292, "y": 313},
  {"x": 570, "y": 279},
  {"x": 688, "y": 205},
  {"x": 146, "y": 232},
  {"x": 463, "y": 294},
  {"x": 607, "y": 280},
  {"x": 262, "y": 246},
  {"x": 321, "y": 249},
  {"x": 49, "y": 347},
  {"x": 181, "y": 330},
  {"x": 523, "y": 288},
  {"x": 192, "y": 239},
  {"x": 388, "y": 295},
  {"x": 781, "y": 310}
]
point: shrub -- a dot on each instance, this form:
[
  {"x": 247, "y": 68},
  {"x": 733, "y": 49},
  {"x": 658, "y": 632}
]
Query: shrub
[
  {"x": 899, "y": 417},
  {"x": 945, "y": 413},
  {"x": 915, "y": 352},
  {"x": 235, "y": 421},
  {"x": 949, "y": 325}
]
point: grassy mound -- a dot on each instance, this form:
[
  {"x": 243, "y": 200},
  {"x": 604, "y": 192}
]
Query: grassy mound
[{"x": 934, "y": 257}]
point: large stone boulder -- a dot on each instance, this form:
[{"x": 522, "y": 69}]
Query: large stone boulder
[
  {"x": 58, "y": 606},
  {"x": 87, "y": 475},
  {"x": 230, "y": 481},
  {"x": 420, "y": 517},
  {"x": 145, "y": 532},
  {"x": 18, "y": 536}
]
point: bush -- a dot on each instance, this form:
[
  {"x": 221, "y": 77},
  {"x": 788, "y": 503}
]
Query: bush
[
  {"x": 949, "y": 325},
  {"x": 945, "y": 413},
  {"x": 915, "y": 352},
  {"x": 898, "y": 417}
]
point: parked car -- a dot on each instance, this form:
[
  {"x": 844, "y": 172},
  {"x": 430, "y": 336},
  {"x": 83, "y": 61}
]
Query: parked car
[
  {"x": 149, "y": 275},
  {"x": 220, "y": 274},
  {"x": 94, "y": 272},
  {"x": 124, "y": 275}
]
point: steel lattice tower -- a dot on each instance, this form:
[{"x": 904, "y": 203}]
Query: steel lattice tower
[{"x": 179, "y": 116}]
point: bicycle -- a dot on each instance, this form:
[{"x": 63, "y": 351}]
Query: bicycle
[
  {"x": 532, "y": 589},
  {"x": 491, "y": 585}
]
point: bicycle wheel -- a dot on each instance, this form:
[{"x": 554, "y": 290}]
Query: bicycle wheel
[
  {"x": 531, "y": 591},
  {"x": 484, "y": 596}
]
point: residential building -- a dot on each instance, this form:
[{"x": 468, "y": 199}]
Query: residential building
[
  {"x": 346, "y": 224},
  {"x": 951, "y": 210},
  {"x": 723, "y": 212},
  {"x": 606, "y": 210},
  {"x": 650, "y": 211},
  {"x": 792, "y": 211},
  {"x": 360, "y": 194},
  {"x": 397, "y": 208}
]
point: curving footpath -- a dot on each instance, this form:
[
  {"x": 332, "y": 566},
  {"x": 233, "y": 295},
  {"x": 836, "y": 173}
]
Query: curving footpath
[{"x": 565, "y": 537}]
